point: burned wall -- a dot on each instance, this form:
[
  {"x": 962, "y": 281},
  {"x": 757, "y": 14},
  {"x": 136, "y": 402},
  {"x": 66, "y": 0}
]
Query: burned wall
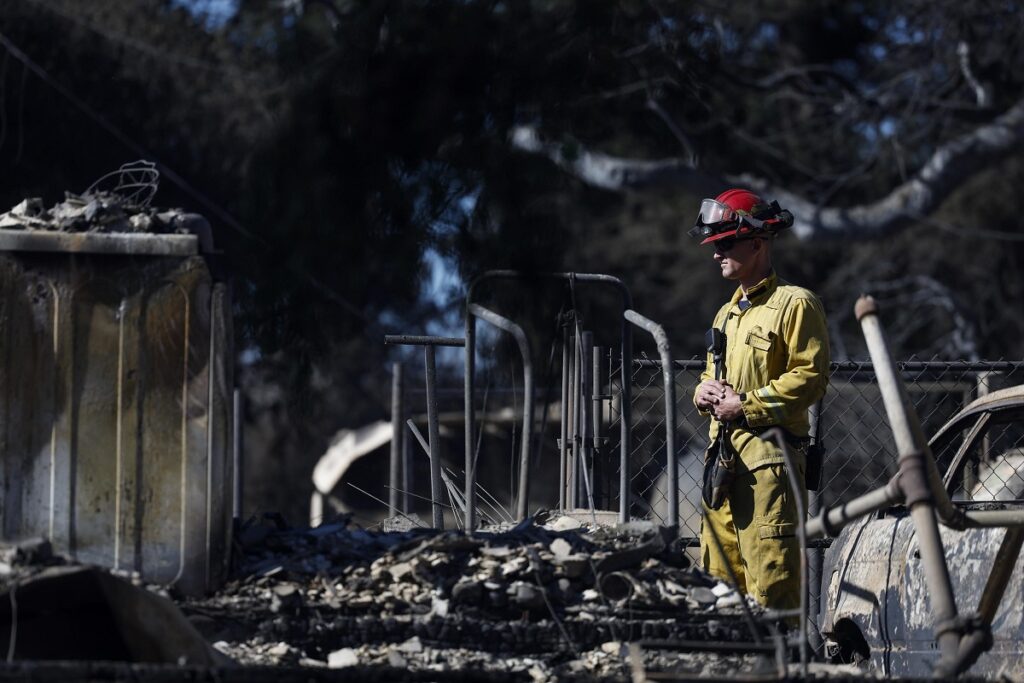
[{"x": 115, "y": 410}]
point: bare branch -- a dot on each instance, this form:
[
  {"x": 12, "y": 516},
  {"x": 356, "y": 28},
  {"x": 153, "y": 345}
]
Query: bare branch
[
  {"x": 949, "y": 166},
  {"x": 963, "y": 50}
]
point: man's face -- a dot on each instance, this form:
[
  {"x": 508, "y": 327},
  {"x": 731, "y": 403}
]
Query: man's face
[{"x": 734, "y": 257}]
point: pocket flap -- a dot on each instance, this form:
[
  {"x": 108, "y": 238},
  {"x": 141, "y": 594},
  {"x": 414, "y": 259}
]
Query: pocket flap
[
  {"x": 758, "y": 342},
  {"x": 776, "y": 530}
]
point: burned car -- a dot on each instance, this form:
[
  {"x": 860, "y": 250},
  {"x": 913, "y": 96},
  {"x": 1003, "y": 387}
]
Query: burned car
[{"x": 876, "y": 609}]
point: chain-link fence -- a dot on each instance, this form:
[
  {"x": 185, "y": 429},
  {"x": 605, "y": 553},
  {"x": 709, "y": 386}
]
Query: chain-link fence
[
  {"x": 859, "y": 450},
  {"x": 983, "y": 452}
]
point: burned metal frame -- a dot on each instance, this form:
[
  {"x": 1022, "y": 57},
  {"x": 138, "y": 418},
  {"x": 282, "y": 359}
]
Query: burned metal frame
[
  {"x": 470, "y": 360},
  {"x": 429, "y": 345},
  {"x": 671, "y": 466},
  {"x": 778, "y": 436},
  {"x": 918, "y": 485},
  {"x": 523, "y": 342}
]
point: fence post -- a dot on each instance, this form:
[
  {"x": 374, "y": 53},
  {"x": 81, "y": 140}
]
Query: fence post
[
  {"x": 429, "y": 343},
  {"x": 563, "y": 445},
  {"x": 238, "y": 451},
  {"x": 596, "y": 411},
  {"x": 586, "y": 417},
  {"x": 523, "y": 342},
  {"x": 397, "y": 438},
  {"x": 671, "y": 465},
  {"x": 574, "y": 425},
  {"x": 815, "y": 561}
]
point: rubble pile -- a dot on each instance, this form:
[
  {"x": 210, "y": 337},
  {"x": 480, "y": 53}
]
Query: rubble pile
[
  {"x": 542, "y": 600},
  {"x": 99, "y": 212}
]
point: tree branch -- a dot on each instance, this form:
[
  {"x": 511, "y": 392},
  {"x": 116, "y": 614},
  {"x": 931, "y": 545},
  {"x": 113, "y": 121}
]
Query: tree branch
[{"x": 949, "y": 166}]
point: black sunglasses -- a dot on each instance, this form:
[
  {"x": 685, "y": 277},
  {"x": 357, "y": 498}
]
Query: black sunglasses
[{"x": 727, "y": 243}]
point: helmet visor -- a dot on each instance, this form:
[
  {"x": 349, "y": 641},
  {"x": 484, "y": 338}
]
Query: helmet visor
[{"x": 712, "y": 212}]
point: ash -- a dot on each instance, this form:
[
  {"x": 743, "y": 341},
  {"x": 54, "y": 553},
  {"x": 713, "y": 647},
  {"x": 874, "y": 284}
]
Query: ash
[
  {"x": 99, "y": 212},
  {"x": 540, "y": 601}
]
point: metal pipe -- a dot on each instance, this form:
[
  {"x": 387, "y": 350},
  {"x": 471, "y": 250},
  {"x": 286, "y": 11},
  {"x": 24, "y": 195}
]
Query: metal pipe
[
  {"x": 830, "y": 521},
  {"x": 502, "y": 323},
  {"x": 563, "y": 443},
  {"x": 993, "y": 518},
  {"x": 618, "y": 586},
  {"x": 815, "y": 556},
  {"x": 469, "y": 362},
  {"x": 922, "y": 495},
  {"x": 407, "y": 478},
  {"x": 434, "y": 435},
  {"x": 597, "y": 419},
  {"x": 979, "y": 639},
  {"x": 779, "y": 438},
  {"x": 237, "y": 453},
  {"x": 586, "y": 417},
  {"x": 906, "y": 427},
  {"x": 428, "y": 343},
  {"x": 1002, "y": 569},
  {"x": 626, "y": 400},
  {"x": 420, "y": 340},
  {"x": 668, "y": 378},
  {"x": 625, "y": 412},
  {"x": 397, "y": 438},
  {"x": 574, "y": 423}
]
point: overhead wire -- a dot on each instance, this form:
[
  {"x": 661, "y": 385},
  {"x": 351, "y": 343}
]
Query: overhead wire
[
  {"x": 144, "y": 47},
  {"x": 166, "y": 171}
]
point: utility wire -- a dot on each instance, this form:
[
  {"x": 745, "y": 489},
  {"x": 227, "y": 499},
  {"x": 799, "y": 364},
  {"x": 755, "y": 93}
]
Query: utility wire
[
  {"x": 104, "y": 123},
  {"x": 221, "y": 213},
  {"x": 144, "y": 47}
]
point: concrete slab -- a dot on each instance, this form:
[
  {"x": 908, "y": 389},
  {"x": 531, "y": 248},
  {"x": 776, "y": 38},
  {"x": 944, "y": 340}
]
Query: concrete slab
[{"x": 146, "y": 244}]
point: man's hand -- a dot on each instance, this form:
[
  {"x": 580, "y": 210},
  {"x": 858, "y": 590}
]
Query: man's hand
[
  {"x": 709, "y": 393},
  {"x": 728, "y": 408}
]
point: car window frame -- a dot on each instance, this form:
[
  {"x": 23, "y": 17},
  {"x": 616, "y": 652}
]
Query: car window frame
[{"x": 973, "y": 434}]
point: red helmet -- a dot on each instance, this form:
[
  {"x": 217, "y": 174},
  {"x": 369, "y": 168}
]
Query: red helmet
[{"x": 738, "y": 213}]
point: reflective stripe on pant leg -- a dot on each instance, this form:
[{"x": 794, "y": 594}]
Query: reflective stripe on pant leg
[{"x": 714, "y": 562}]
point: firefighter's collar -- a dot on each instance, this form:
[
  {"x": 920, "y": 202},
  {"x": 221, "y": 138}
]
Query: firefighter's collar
[{"x": 759, "y": 292}]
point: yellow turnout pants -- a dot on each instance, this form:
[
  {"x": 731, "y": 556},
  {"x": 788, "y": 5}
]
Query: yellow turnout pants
[{"x": 757, "y": 529}]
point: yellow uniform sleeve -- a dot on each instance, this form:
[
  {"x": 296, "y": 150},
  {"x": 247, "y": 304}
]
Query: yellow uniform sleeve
[{"x": 806, "y": 376}]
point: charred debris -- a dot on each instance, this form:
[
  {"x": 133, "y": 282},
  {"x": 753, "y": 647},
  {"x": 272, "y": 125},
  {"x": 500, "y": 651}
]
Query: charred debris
[
  {"x": 546, "y": 599},
  {"x": 551, "y": 598}
]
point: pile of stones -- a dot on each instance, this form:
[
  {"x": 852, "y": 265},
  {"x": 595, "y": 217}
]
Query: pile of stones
[{"x": 544, "y": 600}]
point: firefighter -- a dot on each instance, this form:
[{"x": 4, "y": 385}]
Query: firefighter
[{"x": 776, "y": 362}]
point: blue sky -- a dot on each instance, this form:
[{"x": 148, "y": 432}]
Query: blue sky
[{"x": 213, "y": 12}]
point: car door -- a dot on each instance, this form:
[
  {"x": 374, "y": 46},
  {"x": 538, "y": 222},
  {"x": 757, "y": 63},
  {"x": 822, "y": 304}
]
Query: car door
[{"x": 984, "y": 467}]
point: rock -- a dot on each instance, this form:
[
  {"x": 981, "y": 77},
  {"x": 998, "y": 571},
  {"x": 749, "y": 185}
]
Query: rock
[
  {"x": 705, "y": 597},
  {"x": 560, "y": 548},
  {"x": 526, "y": 596},
  {"x": 564, "y": 523},
  {"x": 439, "y": 607},
  {"x": 728, "y": 601},
  {"x": 573, "y": 566},
  {"x": 285, "y": 597},
  {"x": 411, "y": 646},
  {"x": 399, "y": 570},
  {"x": 279, "y": 650},
  {"x": 720, "y": 589},
  {"x": 614, "y": 647},
  {"x": 396, "y": 660},
  {"x": 467, "y": 592},
  {"x": 345, "y": 657}
]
